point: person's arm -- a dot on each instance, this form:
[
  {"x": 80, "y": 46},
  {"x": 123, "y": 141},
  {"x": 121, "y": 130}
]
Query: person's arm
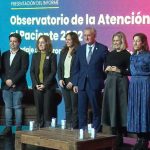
[
  {"x": 53, "y": 70},
  {"x": 76, "y": 70},
  {"x": 3, "y": 76},
  {"x": 106, "y": 57},
  {"x": 32, "y": 72},
  {"x": 60, "y": 71}
]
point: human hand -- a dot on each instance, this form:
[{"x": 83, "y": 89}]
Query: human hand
[
  {"x": 69, "y": 85},
  {"x": 75, "y": 89},
  {"x": 108, "y": 69},
  {"x": 61, "y": 83},
  {"x": 40, "y": 87},
  {"x": 115, "y": 69},
  {"x": 9, "y": 82}
]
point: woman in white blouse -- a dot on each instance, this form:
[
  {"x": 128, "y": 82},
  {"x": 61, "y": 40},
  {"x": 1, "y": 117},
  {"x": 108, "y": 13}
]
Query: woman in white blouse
[{"x": 65, "y": 67}]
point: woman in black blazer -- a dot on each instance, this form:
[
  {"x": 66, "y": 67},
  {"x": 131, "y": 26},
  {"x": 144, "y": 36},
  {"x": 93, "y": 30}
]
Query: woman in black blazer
[
  {"x": 65, "y": 71},
  {"x": 43, "y": 71}
]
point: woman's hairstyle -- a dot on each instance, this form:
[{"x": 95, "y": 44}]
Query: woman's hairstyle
[
  {"x": 123, "y": 40},
  {"x": 48, "y": 46},
  {"x": 143, "y": 38},
  {"x": 75, "y": 41}
]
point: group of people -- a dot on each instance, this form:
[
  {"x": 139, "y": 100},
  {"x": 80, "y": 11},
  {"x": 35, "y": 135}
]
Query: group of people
[
  {"x": 126, "y": 101},
  {"x": 83, "y": 72},
  {"x": 14, "y": 66}
]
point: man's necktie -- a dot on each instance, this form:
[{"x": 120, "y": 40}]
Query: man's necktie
[{"x": 89, "y": 54}]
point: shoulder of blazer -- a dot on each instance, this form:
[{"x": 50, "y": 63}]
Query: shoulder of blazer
[
  {"x": 6, "y": 52},
  {"x": 80, "y": 48},
  {"x": 101, "y": 46},
  {"x": 50, "y": 55},
  {"x": 64, "y": 52},
  {"x": 22, "y": 52},
  {"x": 5, "y": 55},
  {"x": 36, "y": 55}
]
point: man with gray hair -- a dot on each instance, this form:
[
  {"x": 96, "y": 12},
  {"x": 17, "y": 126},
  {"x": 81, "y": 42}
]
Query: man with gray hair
[{"x": 88, "y": 78}]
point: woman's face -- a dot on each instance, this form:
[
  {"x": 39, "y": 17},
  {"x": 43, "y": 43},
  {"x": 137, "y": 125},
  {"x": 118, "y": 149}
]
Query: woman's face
[
  {"x": 42, "y": 44},
  {"x": 69, "y": 41},
  {"x": 137, "y": 43},
  {"x": 117, "y": 43}
]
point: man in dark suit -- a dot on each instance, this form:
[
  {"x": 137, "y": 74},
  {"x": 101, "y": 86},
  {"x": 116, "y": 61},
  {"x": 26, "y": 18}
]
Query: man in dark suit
[
  {"x": 88, "y": 78},
  {"x": 14, "y": 67}
]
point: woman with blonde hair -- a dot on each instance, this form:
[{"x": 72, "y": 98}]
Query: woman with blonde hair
[{"x": 114, "y": 110}]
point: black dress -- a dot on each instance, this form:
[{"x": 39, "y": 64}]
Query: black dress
[{"x": 114, "y": 109}]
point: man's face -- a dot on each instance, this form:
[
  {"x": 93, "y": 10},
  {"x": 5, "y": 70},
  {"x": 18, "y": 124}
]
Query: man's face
[
  {"x": 89, "y": 37},
  {"x": 14, "y": 43}
]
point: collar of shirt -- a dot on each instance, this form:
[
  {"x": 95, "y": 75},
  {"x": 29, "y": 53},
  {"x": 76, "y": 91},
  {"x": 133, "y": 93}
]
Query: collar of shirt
[
  {"x": 13, "y": 52},
  {"x": 87, "y": 48}
]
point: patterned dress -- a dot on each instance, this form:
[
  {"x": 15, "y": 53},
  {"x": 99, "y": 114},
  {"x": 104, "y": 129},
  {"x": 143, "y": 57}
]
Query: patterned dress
[{"x": 139, "y": 93}]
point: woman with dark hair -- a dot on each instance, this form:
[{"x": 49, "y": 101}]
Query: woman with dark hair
[
  {"x": 43, "y": 71},
  {"x": 66, "y": 62},
  {"x": 139, "y": 92},
  {"x": 114, "y": 110}
]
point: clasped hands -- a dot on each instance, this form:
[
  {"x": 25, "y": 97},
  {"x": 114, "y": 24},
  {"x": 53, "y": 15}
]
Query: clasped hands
[
  {"x": 40, "y": 87},
  {"x": 9, "y": 83},
  {"x": 112, "y": 69},
  {"x": 68, "y": 86}
]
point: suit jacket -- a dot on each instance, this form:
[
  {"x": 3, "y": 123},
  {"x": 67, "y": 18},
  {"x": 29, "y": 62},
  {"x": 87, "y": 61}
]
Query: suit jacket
[
  {"x": 49, "y": 70},
  {"x": 61, "y": 65},
  {"x": 16, "y": 71},
  {"x": 93, "y": 72}
]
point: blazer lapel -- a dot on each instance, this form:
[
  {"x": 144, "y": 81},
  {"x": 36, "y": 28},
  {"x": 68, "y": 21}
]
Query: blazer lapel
[
  {"x": 64, "y": 56},
  {"x": 47, "y": 58},
  {"x": 14, "y": 60},
  {"x": 73, "y": 57},
  {"x": 38, "y": 60}
]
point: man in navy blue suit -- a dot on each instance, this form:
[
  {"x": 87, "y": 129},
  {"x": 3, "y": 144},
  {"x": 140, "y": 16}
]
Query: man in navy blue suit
[{"x": 88, "y": 78}]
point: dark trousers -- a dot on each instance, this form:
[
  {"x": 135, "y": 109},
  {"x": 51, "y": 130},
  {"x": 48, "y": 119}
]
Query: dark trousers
[
  {"x": 71, "y": 107},
  {"x": 46, "y": 107},
  {"x": 92, "y": 96}
]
